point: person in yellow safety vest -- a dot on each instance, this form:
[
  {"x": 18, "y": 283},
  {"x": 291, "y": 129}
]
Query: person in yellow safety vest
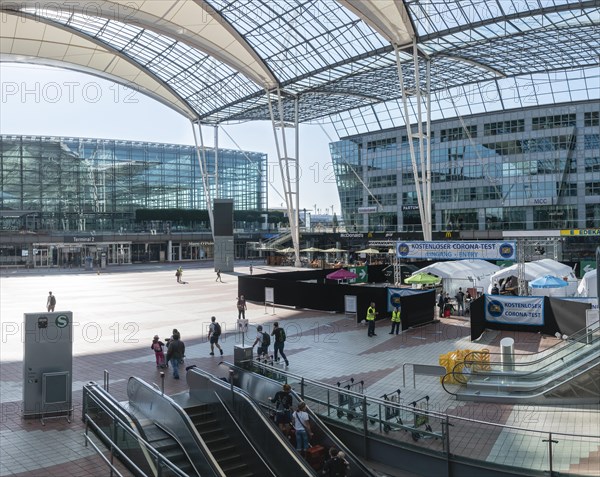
[
  {"x": 395, "y": 320},
  {"x": 371, "y": 319}
]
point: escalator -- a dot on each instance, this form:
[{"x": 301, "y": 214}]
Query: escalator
[
  {"x": 142, "y": 446},
  {"x": 566, "y": 373},
  {"x": 220, "y": 428},
  {"x": 262, "y": 389}
]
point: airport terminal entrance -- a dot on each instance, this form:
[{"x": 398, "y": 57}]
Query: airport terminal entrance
[{"x": 66, "y": 255}]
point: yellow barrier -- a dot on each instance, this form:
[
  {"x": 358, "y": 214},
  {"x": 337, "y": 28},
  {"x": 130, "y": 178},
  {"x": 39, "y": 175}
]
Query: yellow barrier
[{"x": 453, "y": 363}]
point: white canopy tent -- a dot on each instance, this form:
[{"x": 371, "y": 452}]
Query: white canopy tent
[
  {"x": 588, "y": 285},
  {"x": 537, "y": 269},
  {"x": 463, "y": 274}
]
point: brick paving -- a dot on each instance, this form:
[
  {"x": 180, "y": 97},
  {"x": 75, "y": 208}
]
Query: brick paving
[{"x": 117, "y": 313}]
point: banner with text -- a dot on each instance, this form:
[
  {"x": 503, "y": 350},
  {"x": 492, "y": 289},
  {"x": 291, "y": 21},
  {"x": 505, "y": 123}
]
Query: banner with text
[
  {"x": 512, "y": 310},
  {"x": 447, "y": 250}
]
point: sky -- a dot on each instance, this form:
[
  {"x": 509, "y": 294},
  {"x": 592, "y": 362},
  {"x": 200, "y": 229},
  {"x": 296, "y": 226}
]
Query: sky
[{"x": 46, "y": 101}]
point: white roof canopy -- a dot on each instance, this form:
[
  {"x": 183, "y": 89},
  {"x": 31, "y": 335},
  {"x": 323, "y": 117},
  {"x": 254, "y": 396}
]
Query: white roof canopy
[
  {"x": 588, "y": 284},
  {"x": 464, "y": 269},
  {"x": 535, "y": 270}
]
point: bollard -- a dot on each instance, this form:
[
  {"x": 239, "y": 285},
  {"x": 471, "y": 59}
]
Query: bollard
[
  {"x": 162, "y": 382},
  {"x": 507, "y": 346}
]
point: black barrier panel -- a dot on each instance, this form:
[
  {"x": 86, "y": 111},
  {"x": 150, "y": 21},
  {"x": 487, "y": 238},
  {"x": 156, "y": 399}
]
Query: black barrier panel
[
  {"x": 417, "y": 309},
  {"x": 566, "y": 316},
  {"x": 294, "y": 289},
  {"x": 477, "y": 317},
  {"x": 562, "y": 316}
]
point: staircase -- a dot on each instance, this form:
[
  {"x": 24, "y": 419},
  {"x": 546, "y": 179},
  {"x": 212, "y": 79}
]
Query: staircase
[
  {"x": 168, "y": 447},
  {"x": 233, "y": 455}
]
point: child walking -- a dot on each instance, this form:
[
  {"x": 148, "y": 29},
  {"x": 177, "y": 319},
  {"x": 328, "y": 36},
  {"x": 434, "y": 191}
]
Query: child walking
[{"x": 157, "y": 347}]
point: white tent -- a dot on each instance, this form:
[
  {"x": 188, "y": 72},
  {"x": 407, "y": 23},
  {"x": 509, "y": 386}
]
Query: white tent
[
  {"x": 462, "y": 273},
  {"x": 537, "y": 269},
  {"x": 588, "y": 284}
]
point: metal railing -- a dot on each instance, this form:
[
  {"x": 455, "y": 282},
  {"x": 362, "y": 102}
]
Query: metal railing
[
  {"x": 120, "y": 424},
  {"x": 414, "y": 425},
  {"x": 532, "y": 367}
]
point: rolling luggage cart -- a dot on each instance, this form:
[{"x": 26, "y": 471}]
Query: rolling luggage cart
[
  {"x": 351, "y": 403},
  {"x": 421, "y": 418},
  {"x": 392, "y": 412}
]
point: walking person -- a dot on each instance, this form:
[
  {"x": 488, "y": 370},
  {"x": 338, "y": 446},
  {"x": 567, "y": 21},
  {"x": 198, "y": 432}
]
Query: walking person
[
  {"x": 159, "y": 354},
  {"x": 263, "y": 340},
  {"x": 218, "y": 279},
  {"x": 302, "y": 426},
  {"x": 214, "y": 331},
  {"x": 242, "y": 307},
  {"x": 279, "y": 334},
  {"x": 51, "y": 302},
  {"x": 175, "y": 353},
  {"x": 178, "y": 274},
  {"x": 460, "y": 302},
  {"x": 250, "y": 269},
  {"x": 371, "y": 313},
  {"x": 396, "y": 320}
]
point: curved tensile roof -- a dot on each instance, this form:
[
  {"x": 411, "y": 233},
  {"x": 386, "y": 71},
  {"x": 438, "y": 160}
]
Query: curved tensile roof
[{"x": 214, "y": 60}]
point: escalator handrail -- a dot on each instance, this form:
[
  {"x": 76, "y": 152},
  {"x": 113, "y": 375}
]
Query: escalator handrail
[
  {"x": 112, "y": 408},
  {"x": 346, "y": 392},
  {"x": 252, "y": 402},
  {"x": 542, "y": 371},
  {"x": 571, "y": 341},
  {"x": 431, "y": 413},
  {"x": 185, "y": 420}
]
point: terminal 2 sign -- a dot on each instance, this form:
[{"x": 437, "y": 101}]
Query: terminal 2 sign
[{"x": 446, "y": 250}]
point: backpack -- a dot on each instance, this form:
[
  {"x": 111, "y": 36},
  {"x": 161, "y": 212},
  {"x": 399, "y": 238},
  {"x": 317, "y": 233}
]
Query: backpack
[
  {"x": 281, "y": 335},
  {"x": 266, "y": 341},
  {"x": 52, "y": 300},
  {"x": 217, "y": 329},
  {"x": 156, "y": 346}
]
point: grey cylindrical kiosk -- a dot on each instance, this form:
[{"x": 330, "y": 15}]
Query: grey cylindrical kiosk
[
  {"x": 507, "y": 347},
  {"x": 242, "y": 355}
]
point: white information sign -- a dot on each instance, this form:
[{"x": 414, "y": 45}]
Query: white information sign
[
  {"x": 243, "y": 325},
  {"x": 515, "y": 310},
  {"x": 448, "y": 250},
  {"x": 269, "y": 295},
  {"x": 350, "y": 303}
]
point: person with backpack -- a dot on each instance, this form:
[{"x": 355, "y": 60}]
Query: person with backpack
[
  {"x": 279, "y": 334},
  {"x": 263, "y": 340},
  {"x": 283, "y": 408},
  {"x": 214, "y": 331},
  {"x": 51, "y": 302},
  {"x": 157, "y": 346}
]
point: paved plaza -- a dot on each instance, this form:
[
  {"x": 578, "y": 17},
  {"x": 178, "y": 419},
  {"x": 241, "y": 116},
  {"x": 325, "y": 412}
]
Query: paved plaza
[{"x": 117, "y": 312}]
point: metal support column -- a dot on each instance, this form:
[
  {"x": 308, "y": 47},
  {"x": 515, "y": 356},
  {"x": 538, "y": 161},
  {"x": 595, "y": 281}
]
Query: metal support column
[
  {"x": 521, "y": 267},
  {"x": 423, "y": 177},
  {"x": 204, "y": 175},
  {"x": 288, "y": 165}
]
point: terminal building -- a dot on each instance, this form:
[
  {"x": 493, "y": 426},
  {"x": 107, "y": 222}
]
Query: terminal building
[
  {"x": 527, "y": 169},
  {"x": 65, "y": 201}
]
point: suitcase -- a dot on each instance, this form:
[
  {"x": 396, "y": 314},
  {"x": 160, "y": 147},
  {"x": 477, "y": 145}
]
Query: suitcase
[{"x": 315, "y": 456}]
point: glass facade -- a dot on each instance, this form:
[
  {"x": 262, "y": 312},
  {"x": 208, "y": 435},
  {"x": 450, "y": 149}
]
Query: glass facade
[
  {"x": 77, "y": 184},
  {"x": 530, "y": 169}
]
